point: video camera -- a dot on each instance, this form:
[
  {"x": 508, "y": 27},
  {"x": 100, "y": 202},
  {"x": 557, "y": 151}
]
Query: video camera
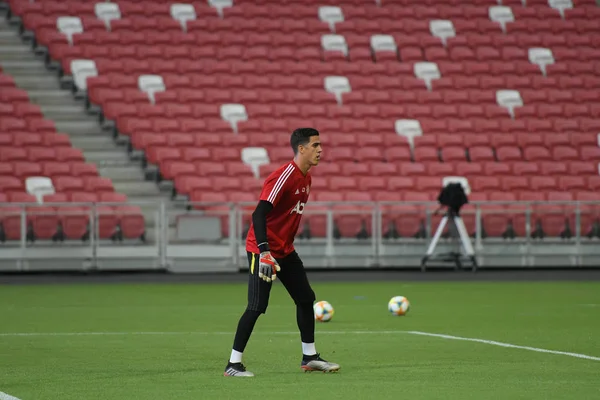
[{"x": 454, "y": 193}]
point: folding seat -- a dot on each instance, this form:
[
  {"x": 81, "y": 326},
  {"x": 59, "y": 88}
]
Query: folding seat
[
  {"x": 180, "y": 140},
  {"x": 7, "y": 81},
  {"x": 354, "y": 169},
  {"x": 158, "y": 155},
  {"x": 210, "y": 169},
  {"x": 13, "y": 125},
  {"x": 10, "y": 217},
  {"x": 41, "y": 154},
  {"x": 55, "y": 169},
  {"x": 481, "y": 154},
  {"x": 453, "y": 140},
  {"x": 185, "y": 184},
  {"x": 496, "y": 169},
  {"x": 542, "y": 183},
  {"x": 590, "y": 212},
  {"x": 41, "y": 125},
  {"x": 428, "y": 184},
  {"x": 539, "y": 125},
  {"x": 43, "y": 220},
  {"x": 129, "y": 217},
  {"x": 453, "y": 153},
  {"x": 66, "y": 184},
  {"x": 6, "y": 110},
  {"x": 462, "y": 54},
  {"x": 238, "y": 169},
  {"x": 515, "y": 183},
  {"x": 6, "y": 169},
  {"x": 495, "y": 111},
  {"x": 502, "y": 139},
  {"x": 426, "y": 154},
  {"x": 6, "y": 139},
  {"x": 468, "y": 169},
  {"x": 571, "y": 183},
  {"x": 383, "y": 169},
  {"x": 412, "y": 169},
  {"x": 340, "y": 154},
  {"x": 508, "y": 153},
  {"x": 69, "y": 154},
  {"x": 536, "y": 153},
  {"x": 24, "y": 170},
  {"x": 555, "y": 217},
  {"x": 553, "y": 168},
  {"x": 496, "y": 216},
  {"x": 485, "y": 97},
  {"x": 10, "y": 184},
  {"x": 526, "y": 139},
  {"x": 226, "y": 184},
  {"x": 589, "y": 125},
  {"x": 593, "y": 182},
  {"x": 520, "y": 168},
  {"x": 14, "y": 95},
  {"x": 582, "y": 168},
  {"x": 369, "y": 154},
  {"x": 27, "y": 110},
  {"x": 588, "y": 153},
  {"x": 13, "y": 154},
  {"x": 485, "y": 183},
  {"x": 106, "y": 220},
  {"x": 237, "y": 141},
  {"x": 26, "y": 139},
  {"x": 425, "y": 141},
  {"x": 343, "y": 183},
  {"x": 440, "y": 169},
  {"x": 97, "y": 184}
]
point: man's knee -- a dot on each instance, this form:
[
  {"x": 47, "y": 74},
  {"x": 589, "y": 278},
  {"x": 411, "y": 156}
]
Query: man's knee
[
  {"x": 253, "y": 313},
  {"x": 305, "y": 297},
  {"x": 259, "y": 308}
]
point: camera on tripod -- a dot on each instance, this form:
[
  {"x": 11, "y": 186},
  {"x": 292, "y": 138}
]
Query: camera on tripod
[{"x": 453, "y": 195}]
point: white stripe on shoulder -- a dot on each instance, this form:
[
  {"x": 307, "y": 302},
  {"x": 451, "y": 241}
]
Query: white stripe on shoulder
[{"x": 280, "y": 182}]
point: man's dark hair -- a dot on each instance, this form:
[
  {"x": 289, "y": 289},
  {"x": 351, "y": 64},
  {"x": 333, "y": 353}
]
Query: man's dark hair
[{"x": 301, "y": 136}]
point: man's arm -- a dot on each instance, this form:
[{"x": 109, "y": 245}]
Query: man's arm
[
  {"x": 259, "y": 221},
  {"x": 273, "y": 189},
  {"x": 267, "y": 267}
]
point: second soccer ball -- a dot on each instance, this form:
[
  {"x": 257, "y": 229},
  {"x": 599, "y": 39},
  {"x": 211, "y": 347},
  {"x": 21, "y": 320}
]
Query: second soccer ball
[
  {"x": 398, "y": 305},
  {"x": 323, "y": 311}
]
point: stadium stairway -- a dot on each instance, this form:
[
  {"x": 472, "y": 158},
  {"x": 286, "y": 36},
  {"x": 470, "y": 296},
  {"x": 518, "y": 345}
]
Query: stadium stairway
[{"x": 56, "y": 102}]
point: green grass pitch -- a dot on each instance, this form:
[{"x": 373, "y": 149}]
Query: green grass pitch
[{"x": 171, "y": 341}]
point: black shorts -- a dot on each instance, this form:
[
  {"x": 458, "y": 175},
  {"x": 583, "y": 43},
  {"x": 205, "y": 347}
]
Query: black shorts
[{"x": 292, "y": 276}]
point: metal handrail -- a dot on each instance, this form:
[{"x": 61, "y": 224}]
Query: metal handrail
[{"x": 163, "y": 211}]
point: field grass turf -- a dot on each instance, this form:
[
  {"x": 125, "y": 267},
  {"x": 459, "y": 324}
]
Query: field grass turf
[{"x": 387, "y": 363}]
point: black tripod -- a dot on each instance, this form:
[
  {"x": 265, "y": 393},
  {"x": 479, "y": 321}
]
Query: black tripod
[
  {"x": 456, "y": 222},
  {"x": 452, "y": 196}
]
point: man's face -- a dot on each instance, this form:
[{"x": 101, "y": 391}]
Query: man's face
[{"x": 311, "y": 153}]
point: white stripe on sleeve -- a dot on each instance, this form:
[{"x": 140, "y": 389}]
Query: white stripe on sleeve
[{"x": 280, "y": 182}]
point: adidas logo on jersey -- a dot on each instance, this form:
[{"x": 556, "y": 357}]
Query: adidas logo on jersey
[{"x": 299, "y": 208}]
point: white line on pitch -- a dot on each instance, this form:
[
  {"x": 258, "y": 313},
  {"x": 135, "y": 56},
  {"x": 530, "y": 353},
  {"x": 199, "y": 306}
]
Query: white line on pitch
[
  {"x": 501, "y": 344},
  {"x": 5, "y": 396},
  {"x": 442, "y": 336}
]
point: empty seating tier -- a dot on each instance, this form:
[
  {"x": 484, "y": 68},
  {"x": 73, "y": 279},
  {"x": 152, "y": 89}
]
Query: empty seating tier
[{"x": 505, "y": 95}]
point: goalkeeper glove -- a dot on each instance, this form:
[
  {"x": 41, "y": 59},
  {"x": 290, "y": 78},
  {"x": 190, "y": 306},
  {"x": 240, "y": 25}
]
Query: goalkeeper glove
[{"x": 268, "y": 267}]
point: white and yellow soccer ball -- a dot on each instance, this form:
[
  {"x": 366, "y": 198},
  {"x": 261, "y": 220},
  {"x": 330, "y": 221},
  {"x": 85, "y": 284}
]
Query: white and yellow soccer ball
[
  {"x": 398, "y": 305},
  {"x": 323, "y": 311}
]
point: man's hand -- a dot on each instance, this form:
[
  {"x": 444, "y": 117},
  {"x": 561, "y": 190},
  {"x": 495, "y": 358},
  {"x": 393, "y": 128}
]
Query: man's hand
[{"x": 268, "y": 267}]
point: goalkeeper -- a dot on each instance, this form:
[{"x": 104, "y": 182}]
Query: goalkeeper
[{"x": 271, "y": 253}]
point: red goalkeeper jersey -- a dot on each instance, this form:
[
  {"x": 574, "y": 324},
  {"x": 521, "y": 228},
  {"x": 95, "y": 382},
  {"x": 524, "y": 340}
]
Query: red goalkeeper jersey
[{"x": 287, "y": 189}]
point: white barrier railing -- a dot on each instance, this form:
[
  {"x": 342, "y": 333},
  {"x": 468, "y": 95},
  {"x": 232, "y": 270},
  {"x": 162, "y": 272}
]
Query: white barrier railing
[{"x": 159, "y": 230}]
